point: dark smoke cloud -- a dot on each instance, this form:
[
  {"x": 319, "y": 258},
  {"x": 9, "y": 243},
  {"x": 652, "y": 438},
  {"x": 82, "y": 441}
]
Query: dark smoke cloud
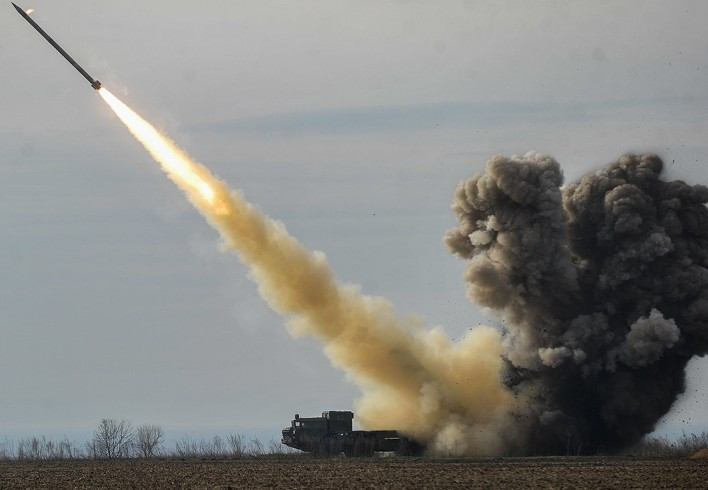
[{"x": 602, "y": 287}]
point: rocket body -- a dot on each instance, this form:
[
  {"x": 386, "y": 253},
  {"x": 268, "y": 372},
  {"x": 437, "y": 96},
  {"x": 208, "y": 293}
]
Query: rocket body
[{"x": 94, "y": 83}]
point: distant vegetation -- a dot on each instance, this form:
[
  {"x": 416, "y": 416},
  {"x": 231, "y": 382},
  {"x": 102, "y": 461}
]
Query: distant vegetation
[
  {"x": 659, "y": 447},
  {"x": 118, "y": 439}
]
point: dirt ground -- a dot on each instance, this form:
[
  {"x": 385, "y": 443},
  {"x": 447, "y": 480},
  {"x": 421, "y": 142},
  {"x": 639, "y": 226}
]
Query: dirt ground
[{"x": 303, "y": 472}]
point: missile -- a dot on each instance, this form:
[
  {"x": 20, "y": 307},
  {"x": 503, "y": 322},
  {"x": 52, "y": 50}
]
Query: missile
[{"x": 94, "y": 83}]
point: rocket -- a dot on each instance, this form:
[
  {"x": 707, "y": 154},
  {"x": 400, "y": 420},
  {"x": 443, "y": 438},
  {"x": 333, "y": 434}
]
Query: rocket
[{"x": 94, "y": 83}]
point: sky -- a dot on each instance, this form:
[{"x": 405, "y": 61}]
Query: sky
[{"x": 351, "y": 122}]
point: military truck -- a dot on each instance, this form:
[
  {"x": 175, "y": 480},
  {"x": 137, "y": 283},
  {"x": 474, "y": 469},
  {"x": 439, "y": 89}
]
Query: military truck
[{"x": 332, "y": 434}]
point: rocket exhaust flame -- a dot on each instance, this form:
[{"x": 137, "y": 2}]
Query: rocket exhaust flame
[
  {"x": 413, "y": 379},
  {"x": 178, "y": 166}
]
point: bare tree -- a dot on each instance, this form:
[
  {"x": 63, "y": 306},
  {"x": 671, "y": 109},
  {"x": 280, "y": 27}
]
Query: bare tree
[
  {"x": 148, "y": 439},
  {"x": 112, "y": 439}
]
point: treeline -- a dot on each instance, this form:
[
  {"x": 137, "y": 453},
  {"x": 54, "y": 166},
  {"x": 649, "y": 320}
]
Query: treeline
[{"x": 118, "y": 439}]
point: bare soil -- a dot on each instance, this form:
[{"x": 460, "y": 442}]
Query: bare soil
[{"x": 306, "y": 472}]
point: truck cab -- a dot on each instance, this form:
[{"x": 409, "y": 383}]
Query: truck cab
[{"x": 310, "y": 433}]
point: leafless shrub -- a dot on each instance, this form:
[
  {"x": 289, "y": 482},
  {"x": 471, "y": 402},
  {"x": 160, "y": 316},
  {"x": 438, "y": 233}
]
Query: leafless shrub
[
  {"x": 36, "y": 448},
  {"x": 255, "y": 447},
  {"x": 28, "y": 449},
  {"x": 213, "y": 448},
  {"x": 693, "y": 443},
  {"x": 148, "y": 440},
  {"x": 68, "y": 450},
  {"x": 661, "y": 447},
  {"x": 237, "y": 445},
  {"x": 112, "y": 439},
  {"x": 234, "y": 446},
  {"x": 277, "y": 448},
  {"x": 7, "y": 450},
  {"x": 187, "y": 448}
]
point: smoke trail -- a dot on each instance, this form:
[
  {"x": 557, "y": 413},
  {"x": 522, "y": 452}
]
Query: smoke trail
[
  {"x": 603, "y": 289},
  {"x": 412, "y": 378}
]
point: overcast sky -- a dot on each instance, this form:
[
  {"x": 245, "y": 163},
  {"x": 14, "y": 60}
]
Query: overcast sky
[{"x": 351, "y": 122}]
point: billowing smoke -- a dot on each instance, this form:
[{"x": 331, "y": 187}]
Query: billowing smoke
[{"x": 602, "y": 289}]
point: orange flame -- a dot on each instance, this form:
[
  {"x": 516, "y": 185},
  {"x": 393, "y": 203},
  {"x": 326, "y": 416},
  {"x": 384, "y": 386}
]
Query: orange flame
[{"x": 29, "y": 11}]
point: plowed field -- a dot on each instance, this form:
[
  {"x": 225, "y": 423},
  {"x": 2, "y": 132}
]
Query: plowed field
[{"x": 305, "y": 472}]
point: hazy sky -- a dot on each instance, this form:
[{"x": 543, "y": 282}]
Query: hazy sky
[{"x": 351, "y": 122}]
